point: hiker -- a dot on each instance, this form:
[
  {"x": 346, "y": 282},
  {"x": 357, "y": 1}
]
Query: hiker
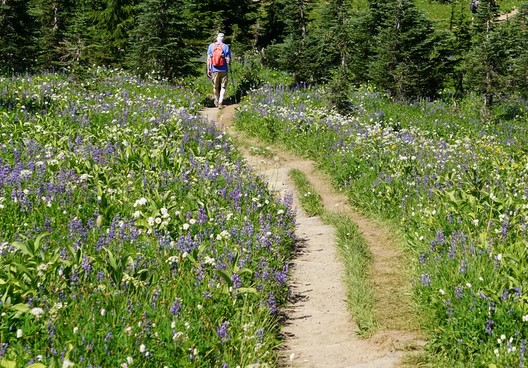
[
  {"x": 218, "y": 58},
  {"x": 474, "y": 6}
]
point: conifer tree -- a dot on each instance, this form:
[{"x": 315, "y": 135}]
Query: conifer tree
[
  {"x": 458, "y": 44},
  {"x": 272, "y": 23},
  {"x": 402, "y": 62},
  {"x": 16, "y": 26},
  {"x": 329, "y": 43},
  {"x": 519, "y": 64},
  {"x": 296, "y": 49},
  {"x": 485, "y": 62},
  {"x": 52, "y": 18},
  {"x": 112, "y": 22},
  {"x": 160, "y": 41}
]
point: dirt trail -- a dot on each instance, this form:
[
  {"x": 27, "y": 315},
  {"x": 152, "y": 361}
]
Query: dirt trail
[
  {"x": 319, "y": 331},
  {"x": 506, "y": 16}
]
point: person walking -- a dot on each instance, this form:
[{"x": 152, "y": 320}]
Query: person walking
[{"x": 218, "y": 59}]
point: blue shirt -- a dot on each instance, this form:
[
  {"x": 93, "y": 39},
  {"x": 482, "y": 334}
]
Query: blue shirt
[{"x": 227, "y": 54}]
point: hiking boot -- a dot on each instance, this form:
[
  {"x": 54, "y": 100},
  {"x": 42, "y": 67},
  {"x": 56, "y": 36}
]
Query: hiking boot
[
  {"x": 220, "y": 106},
  {"x": 216, "y": 103}
]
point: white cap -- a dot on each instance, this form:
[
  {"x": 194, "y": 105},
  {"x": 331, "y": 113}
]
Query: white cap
[{"x": 220, "y": 37}]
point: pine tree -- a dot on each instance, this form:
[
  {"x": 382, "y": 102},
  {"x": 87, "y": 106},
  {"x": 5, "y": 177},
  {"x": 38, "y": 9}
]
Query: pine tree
[
  {"x": 402, "y": 62},
  {"x": 459, "y": 43},
  {"x": 75, "y": 47},
  {"x": 272, "y": 23},
  {"x": 160, "y": 43},
  {"x": 16, "y": 28},
  {"x": 485, "y": 62},
  {"x": 296, "y": 45},
  {"x": 112, "y": 22},
  {"x": 519, "y": 64},
  {"x": 52, "y": 17},
  {"x": 329, "y": 42}
]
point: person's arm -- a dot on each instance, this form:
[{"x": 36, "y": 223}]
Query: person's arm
[
  {"x": 208, "y": 61},
  {"x": 228, "y": 55}
]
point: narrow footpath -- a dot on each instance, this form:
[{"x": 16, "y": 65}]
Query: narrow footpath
[{"x": 319, "y": 331}]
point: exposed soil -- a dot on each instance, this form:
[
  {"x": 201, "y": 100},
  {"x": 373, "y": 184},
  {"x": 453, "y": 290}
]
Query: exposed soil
[
  {"x": 319, "y": 331},
  {"x": 506, "y": 16}
]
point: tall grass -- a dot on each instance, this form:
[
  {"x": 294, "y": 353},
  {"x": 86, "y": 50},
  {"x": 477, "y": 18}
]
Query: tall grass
[
  {"x": 457, "y": 187},
  {"x": 352, "y": 249},
  {"x": 131, "y": 233}
]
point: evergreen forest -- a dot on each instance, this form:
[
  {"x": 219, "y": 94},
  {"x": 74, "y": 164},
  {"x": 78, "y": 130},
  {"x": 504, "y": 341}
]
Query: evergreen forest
[{"x": 410, "y": 50}]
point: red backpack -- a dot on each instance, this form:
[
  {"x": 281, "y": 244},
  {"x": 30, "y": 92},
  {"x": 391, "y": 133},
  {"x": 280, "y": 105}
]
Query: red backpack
[{"x": 218, "y": 58}]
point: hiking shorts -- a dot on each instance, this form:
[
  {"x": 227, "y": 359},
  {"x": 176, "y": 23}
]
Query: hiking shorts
[{"x": 219, "y": 80}]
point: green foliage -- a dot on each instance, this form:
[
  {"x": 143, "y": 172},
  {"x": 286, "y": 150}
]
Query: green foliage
[
  {"x": 403, "y": 45},
  {"x": 124, "y": 237},
  {"x": 16, "y": 27},
  {"x": 159, "y": 41},
  {"x": 455, "y": 184},
  {"x": 311, "y": 201}
]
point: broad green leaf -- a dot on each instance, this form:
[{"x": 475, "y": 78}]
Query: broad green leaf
[
  {"x": 225, "y": 276},
  {"x": 4, "y": 363}
]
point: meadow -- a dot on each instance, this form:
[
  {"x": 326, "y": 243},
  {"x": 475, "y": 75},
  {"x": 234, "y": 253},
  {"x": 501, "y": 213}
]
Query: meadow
[
  {"x": 131, "y": 232},
  {"x": 455, "y": 184}
]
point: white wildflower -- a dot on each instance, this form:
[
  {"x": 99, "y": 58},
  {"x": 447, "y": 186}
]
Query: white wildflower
[{"x": 37, "y": 312}]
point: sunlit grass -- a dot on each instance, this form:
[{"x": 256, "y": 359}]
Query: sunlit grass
[
  {"x": 353, "y": 251},
  {"x": 131, "y": 233},
  {"x": 453, "y": 183}
]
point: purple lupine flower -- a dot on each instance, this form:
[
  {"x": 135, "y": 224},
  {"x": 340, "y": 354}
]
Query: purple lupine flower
[
  {"x": 439, "y": 240},
  {"x": 463, "y": 266},
  {"x": 223, "y": 332},
  {"x": 237, "y": 282},
  {"x": 489, "y": 326},
  {"x": 74, "y": 278},
  {"x": 3, "y": 348},
  {"x": 108, "y": 336},
  {"x": 426, "y": 279},
  {"x": 176, "y": 307},
  {"x": 155, "y": 296},
  {"x": 272, "y": 304},
  {"x": 458, "y": 292},
  {"x": 522, "y": 350},
  {"x": 450, "y": 309},
  {"x": 282, "y": 276},
  {"x": 86, "y": 264},
  {"x": 260, "y": 335}
]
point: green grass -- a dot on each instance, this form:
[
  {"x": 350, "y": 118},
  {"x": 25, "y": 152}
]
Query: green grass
[
  {"x": 352, "y": 249},
  {"x": 357, "y": 260},
  {"x": 456, "y": 185},
  {"x": 130, "y": 231},
  {"x": 311, "y": 201}
]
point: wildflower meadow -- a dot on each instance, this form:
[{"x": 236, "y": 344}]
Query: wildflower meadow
[
  {"x": 131, "y": 232},
  {"x": 456, "y": 185}
]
